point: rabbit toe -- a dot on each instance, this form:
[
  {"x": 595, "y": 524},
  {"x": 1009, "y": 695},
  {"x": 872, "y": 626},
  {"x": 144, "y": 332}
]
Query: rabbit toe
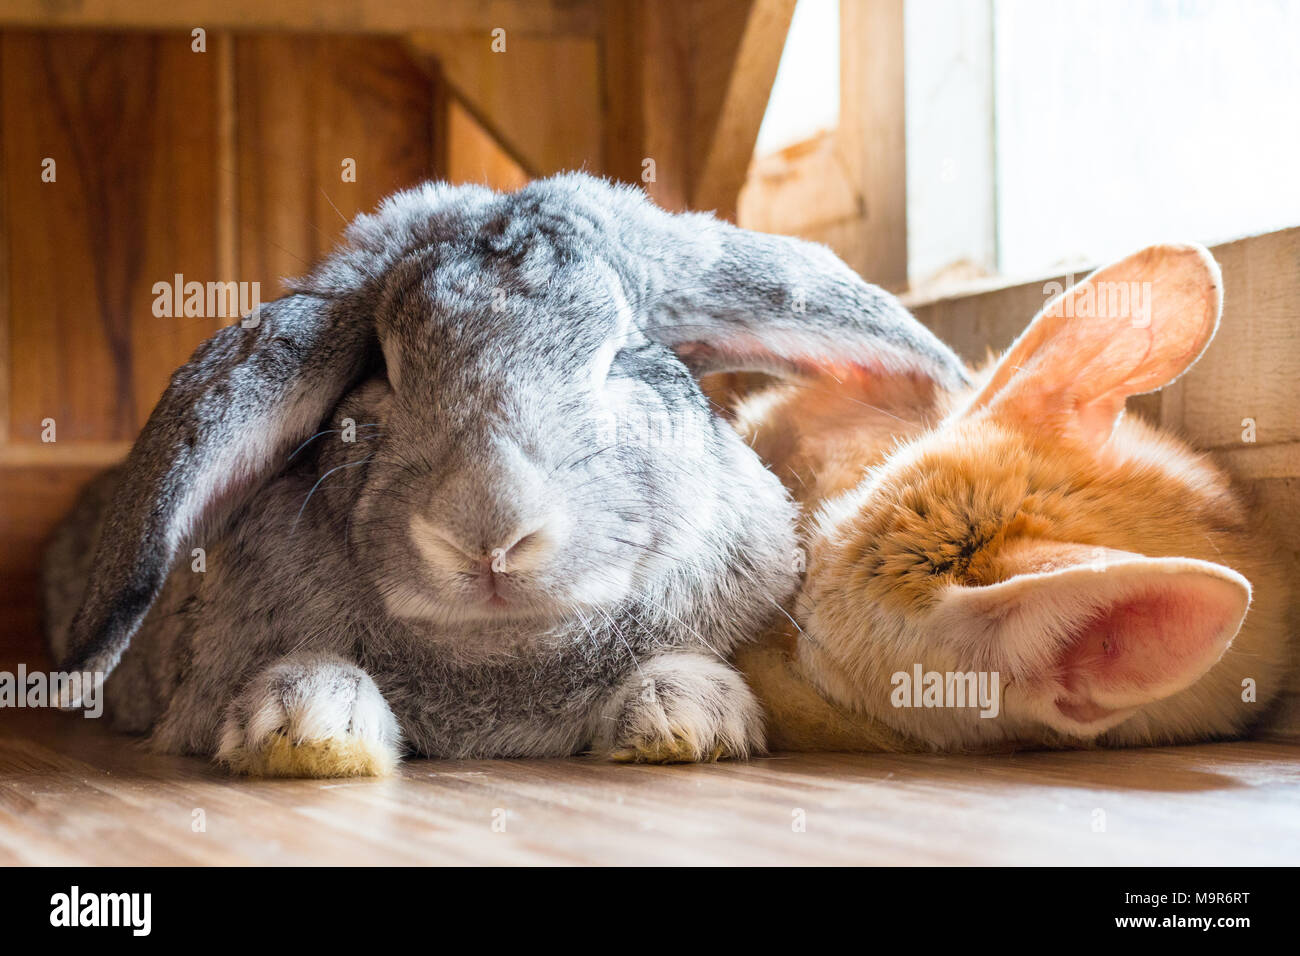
[
  {"x": 683, "y": 708},
  {"x": 313, "y": 716}
]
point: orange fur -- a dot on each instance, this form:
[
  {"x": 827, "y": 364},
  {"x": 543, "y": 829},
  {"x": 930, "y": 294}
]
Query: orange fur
[{"x": 910, "y": 496}]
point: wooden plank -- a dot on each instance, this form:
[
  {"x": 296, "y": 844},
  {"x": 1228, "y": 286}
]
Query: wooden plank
[
  {"x": 130, "y": 122},
  {"x": 684, "y": 88},
  {"x": 473, "y": 156},
  {"x": 1278, "y": 497},
  {"x": 872, "y": 135},
  {"x": 646, "y": 90},
  {"x": 735, "y": 54},
  {"x": 622, "y": 95},
  {"x": 1254, "y": 462},
  {"x": 6, "y": 357},
  {"x": 63, "y": 454},
  {"x": 539, "y": 98},
  {"x": 986, "y": 318},
  {"x": 305, "y": 104},
  {"x": 73, "y": 793},
  {"x": 801, "y": 190},
  {"x": 42, "y": 494},
  {"x": 223, "y": 45},
  {"x": 1250, "y": 369},
  {"x": 374, "y": 16}
]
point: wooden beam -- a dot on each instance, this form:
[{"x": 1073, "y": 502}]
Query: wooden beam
[
  {"x": 736, "y": 51},
  {"x": 576, "y": 17},
  {"x": 872, "y": 135},
  {"x": 646, "y": 96},
  {"x": 474, "y": 156},
  {"x": 1257, "y": 462},
  {"x": 64, "y": 454},
  {"x": 5, "y": 355},
  {"x": 684, "y": 89},
  {"x": 227, "y": 237},
  {"x": 800, "y": 190},
  {"x": 539, "y": 97}
]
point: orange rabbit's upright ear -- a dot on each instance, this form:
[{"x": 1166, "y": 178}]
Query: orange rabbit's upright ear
[{"x": 1129, "y": 328}]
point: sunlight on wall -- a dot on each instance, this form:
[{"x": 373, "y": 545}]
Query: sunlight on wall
[
  {"x": 948, "y": 96},
  {"x": 1049, "y": 134},
  {"x": 806, "y": 95},
  {"x": 1120, "y": 123}
]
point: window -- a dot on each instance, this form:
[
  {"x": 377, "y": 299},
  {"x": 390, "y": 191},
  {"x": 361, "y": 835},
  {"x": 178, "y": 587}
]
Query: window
[{"x": 1044, "y": 135}]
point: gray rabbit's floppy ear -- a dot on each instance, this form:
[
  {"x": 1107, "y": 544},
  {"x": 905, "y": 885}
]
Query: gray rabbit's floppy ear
[
  {"x": 730, "y": 299},
  {"x": 226, "y": 423}
]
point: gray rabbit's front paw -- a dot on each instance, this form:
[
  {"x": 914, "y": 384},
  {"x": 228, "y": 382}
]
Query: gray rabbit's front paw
[
  {"x": 310, "y": 715},
  {"x": 681, "y": 708}
]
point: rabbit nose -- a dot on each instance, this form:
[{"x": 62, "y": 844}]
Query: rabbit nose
[
  {"x": 490, "y": 555},
  {"x": 510, "y": 556}
]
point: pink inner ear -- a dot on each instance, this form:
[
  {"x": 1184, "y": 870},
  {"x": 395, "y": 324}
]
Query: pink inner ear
[
  {"x": 1129, "y": 328},
  {"x": 742, "y": 352},
  {"x": 1140, "y": 650},
  {"x": 872, "y": 382}
]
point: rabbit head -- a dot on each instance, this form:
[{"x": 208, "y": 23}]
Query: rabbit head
[
  {"x": 537, "y": 445},
  {"x": 1093, "y": 566}
]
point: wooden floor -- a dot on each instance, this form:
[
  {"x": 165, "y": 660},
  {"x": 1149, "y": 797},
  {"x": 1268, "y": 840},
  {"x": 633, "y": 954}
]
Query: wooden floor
[{"x": 71, "y": 792}]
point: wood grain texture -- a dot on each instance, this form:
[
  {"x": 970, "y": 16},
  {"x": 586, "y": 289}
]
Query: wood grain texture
[
  {"x": 227, "y": 159},
  {"x": 1278, "y": 498},
  {"x": 1251, "y": 369},
  {"x": 71, "y": 793},
  {"x": 872, "y": 136},
  {"x": 847, "y": 187},
  {"x": 304, "y": 105},
  {"x": 686, "y": 84},
  {"x": 359, "y": 16},
  {"x": 32, "y": 500},
  {"x": 735, "y": 55},
  {"x": 540, "y": 98},
  {"x": 646, "y": 89},
  {"x": 130, "y": 122},
  {"x": 474, "y": 156},
  {"x": 222, "y": 165}
]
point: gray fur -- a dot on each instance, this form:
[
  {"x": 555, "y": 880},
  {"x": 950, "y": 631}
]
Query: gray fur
[{"x": 465, "y": 333}]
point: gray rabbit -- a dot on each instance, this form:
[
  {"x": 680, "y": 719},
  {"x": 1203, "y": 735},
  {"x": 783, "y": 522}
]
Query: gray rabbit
[{"x": 459, "y": 494}]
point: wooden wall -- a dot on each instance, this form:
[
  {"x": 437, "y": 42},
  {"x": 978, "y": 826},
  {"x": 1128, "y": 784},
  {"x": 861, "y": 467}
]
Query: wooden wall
[
  {"x": 218, "y": 165},
  {"x": 847, "y": 187}
]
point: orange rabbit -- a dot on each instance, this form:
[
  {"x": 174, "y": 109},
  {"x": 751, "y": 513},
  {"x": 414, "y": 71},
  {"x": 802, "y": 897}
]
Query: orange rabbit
[{"x": 1018, "y": 565}]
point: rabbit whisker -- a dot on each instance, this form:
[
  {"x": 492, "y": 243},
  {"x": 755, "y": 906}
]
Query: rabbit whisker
[{"x": 351, "y": 464}]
